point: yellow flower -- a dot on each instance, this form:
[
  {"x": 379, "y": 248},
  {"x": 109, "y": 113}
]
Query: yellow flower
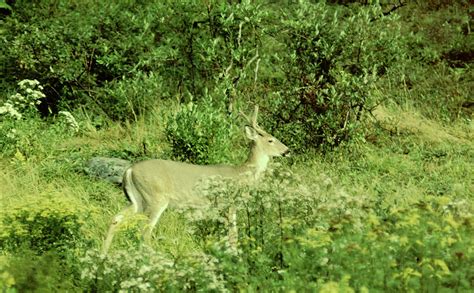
[
  {"x": 404, "y": 240},
  {"x": 451, "y": 221},
  {"x": 442, "y": 265},
  {"x": 373, "y": 220}
]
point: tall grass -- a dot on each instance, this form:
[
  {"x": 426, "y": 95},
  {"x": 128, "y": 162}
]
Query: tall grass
[{"x": 392, "y": 214}]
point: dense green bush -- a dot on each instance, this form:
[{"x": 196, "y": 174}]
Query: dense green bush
[
  {"x": 143, "y": 269},
  {"x": 91, "y": 61},
  {"x": 29, "y": 272},
  {"x": 201, "y": 133},
  {"x": 73, "y": 55},
  {"x": 335, "y": 56},
  {"x": 317, "y": 67},
  {"x": 320, "y": 61},
  {"x": 42, "y": 225}
]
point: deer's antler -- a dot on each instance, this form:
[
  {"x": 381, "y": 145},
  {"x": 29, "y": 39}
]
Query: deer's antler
[{"x": 252, "y": 121}]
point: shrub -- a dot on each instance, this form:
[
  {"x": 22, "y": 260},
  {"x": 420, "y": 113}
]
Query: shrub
[
  {"x": 74, "y": 55},
  {"x": 335, "y": 56},
  {"x": 201, "y": 133},
  {"x": 19, "y": 115},
  {"x": 129, "y": 98},
  {"x": 27, "y": 272},
  {"x": 319, "y": 236},
  {"x": 147, "y": 270},
  {"x": 24, "y": 101},
  {"x": 315, "y": 66},
  {"x": 269, "y": 214},
  {"x": 124, "y": 56},
  {"x": 42, "y": 225}
]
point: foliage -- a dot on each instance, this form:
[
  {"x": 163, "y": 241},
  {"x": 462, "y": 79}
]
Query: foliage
[
  {"x": 32, "y": 137},
  {"x": 314, "y": 66},
  {"x": 201, "y": 133},
  {"x": 146, "y": 270},
  {"x": 75, "y": 56},
  {"x": 436, "y": 76},
  {"x": 335, "y": 56},
  {"x": 19, "y": 115},
  {"x": 39, "y": 273},
  {"x": 285, "y": 226},
  {"x": 4, "y": 5},
  {"x": 389, "y": 209},
  {"x": 24, "y": 101},
  {"x": 103, "y": 61},
  {"x": 42, "y": 225}
]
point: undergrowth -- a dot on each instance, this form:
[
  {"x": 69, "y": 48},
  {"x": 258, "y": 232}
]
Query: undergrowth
[
  {"x": 394, "y": 215},
  {"x": 380, "y": 200}
]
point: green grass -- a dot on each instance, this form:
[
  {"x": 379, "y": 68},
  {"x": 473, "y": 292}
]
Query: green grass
[
  {"x": 388, "y": 210},
  {"x": 411, "y": 184}
]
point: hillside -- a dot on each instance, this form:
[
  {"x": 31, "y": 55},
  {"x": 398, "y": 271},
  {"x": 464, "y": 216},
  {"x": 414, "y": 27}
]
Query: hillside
[{"x": 373, "y": 100}]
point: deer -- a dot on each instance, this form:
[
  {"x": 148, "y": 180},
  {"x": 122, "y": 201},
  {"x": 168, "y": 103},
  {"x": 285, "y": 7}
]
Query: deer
[{"x": 154, "y": 185}]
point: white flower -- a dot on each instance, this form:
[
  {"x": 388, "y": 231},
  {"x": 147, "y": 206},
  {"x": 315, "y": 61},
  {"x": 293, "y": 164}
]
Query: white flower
[
  {"x": 12, "y": 134},
  {"x": 17, "y": 97},
  {"x": 27, "y": 98},
  {"x": 145, "y": 269},
  {"x": 28, "y": 82},
  {"x": 8, "y": 108},
  {"x": 37, "y": 95},
  {"x": 70, "y": 120}
]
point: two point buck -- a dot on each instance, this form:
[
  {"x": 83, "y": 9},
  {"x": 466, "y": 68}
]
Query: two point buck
[{"x": 153, "y": 185}]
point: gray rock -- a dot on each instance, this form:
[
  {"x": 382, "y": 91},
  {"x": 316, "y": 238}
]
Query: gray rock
[{"x": 109, "y": 169}]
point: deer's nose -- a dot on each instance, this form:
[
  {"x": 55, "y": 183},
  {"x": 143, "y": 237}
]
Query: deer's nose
[{"x": 286, "y": 153}]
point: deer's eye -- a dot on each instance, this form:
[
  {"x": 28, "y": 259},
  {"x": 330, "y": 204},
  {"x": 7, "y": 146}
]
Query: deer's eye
[{"x": 270, "y": 141}]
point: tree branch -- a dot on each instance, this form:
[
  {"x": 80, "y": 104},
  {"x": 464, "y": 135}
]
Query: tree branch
[{"x": 394, "y": 8}]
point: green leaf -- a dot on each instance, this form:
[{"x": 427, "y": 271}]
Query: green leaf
[{"x": 4, "y": 5}]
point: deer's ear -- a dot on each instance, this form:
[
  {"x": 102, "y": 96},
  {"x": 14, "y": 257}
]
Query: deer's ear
[{"x": 251, "y": 133}]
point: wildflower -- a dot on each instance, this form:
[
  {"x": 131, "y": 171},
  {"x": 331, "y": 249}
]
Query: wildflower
[
  {"x": 12, "y": 134},
  {"x": 27, "y": 98},
  {"x": 70, "y": 121},
  {"x": 8, "y": 108},
  {"x": 24, "y": 84}
]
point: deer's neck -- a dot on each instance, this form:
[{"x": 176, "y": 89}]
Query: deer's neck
[{"x": 256, "y": 163}]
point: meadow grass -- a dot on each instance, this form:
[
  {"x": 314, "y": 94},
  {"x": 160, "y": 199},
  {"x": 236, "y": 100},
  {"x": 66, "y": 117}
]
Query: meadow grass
[{"x": 413, "y": 167}]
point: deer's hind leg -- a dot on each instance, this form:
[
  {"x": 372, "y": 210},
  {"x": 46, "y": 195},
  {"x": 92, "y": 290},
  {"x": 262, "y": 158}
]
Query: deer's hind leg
[
  {"x": 116, "y": 220},
  {"x": 154, "y": 214}
]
